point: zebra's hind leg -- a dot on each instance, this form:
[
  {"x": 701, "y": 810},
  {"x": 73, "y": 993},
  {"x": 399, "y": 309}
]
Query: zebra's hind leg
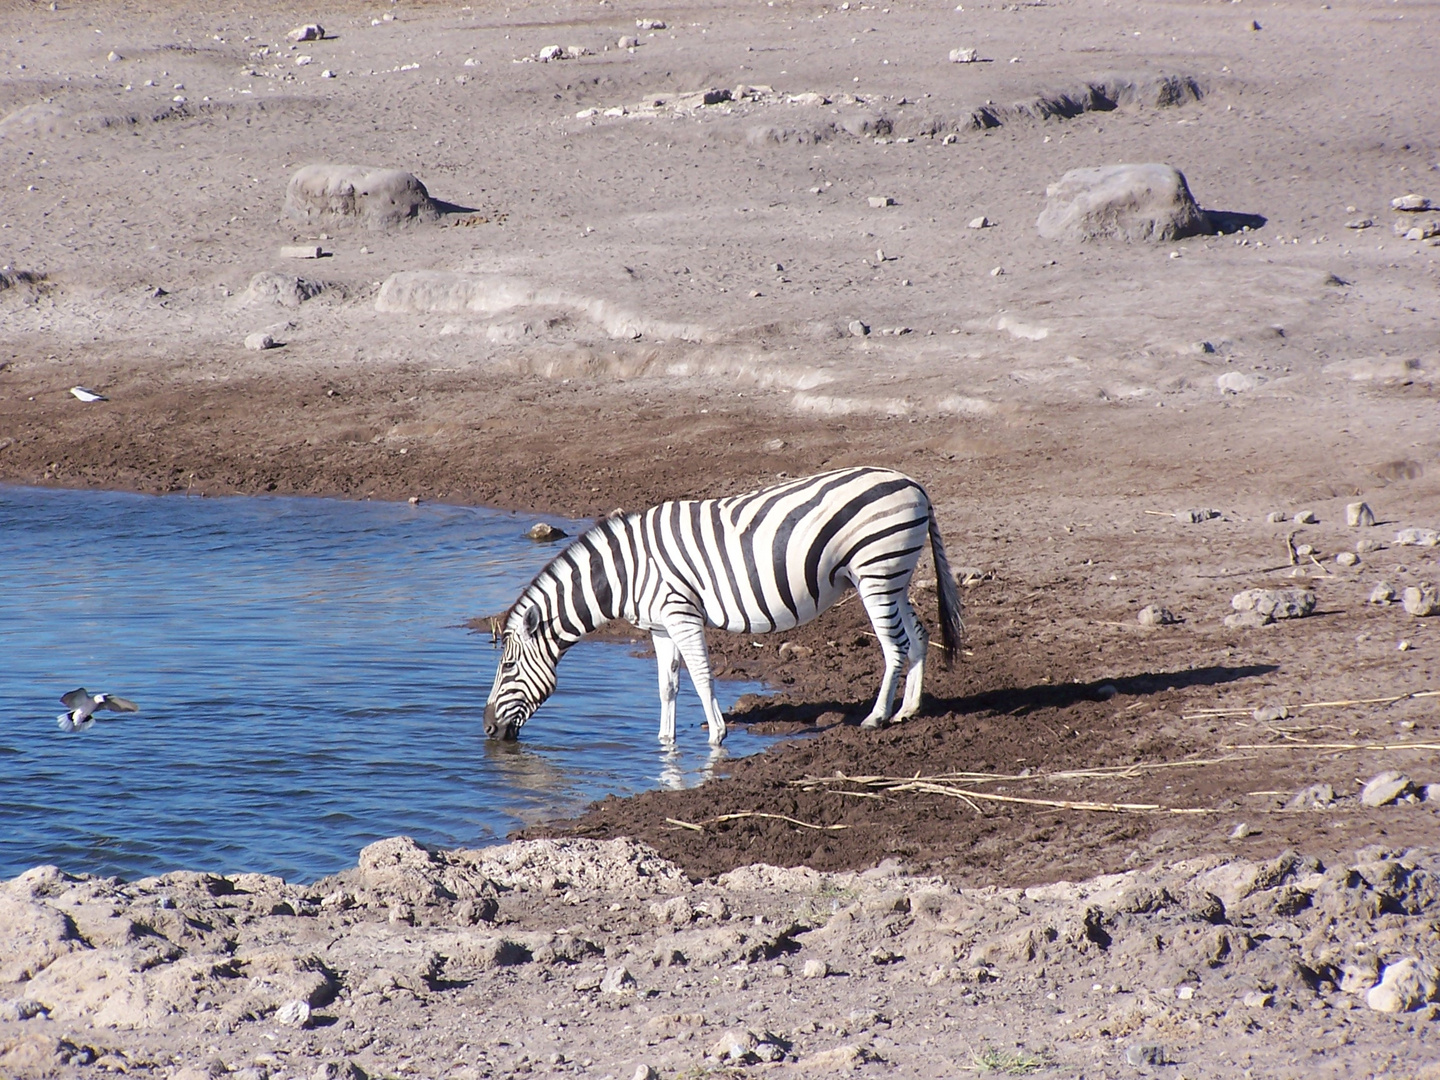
[
  {"x": 687, "y": 632},
  {"x": 667, "y": 659},
  {"x": 882, "y": 600},
  {"x": 919, "y": 646}
]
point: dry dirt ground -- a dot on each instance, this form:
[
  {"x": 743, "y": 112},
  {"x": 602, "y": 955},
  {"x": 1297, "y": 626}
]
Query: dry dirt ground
[{"x": 662, "y": 302}]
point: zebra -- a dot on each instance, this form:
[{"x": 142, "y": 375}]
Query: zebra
[{"x": 767, "y": 560}]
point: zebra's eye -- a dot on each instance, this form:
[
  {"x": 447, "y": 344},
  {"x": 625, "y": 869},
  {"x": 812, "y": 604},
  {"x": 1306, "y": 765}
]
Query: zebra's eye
[{"x": 507, "y": 665}]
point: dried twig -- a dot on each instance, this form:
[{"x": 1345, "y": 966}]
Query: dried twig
[
  {"x": 751, "y": 814},
  {"x": 1376, "y": 747},
  {"x": 935, "y": 785},
  {"x": 1201, "y": 714}
]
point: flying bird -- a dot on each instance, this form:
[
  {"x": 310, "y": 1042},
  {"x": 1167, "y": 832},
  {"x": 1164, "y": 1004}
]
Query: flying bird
[
  {"x": 83, "y": 705},
  {"x": 87, "y": 395}
]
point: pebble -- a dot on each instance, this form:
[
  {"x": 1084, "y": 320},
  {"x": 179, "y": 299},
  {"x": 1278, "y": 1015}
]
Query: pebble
[
  {"x": 981, "y": 222},
  {"x": 1273, "y": 604},
  {"x": 1194, "y": 517},
  {"x": 644, "y": 1071},
  {"x": 260, "y": 341},
  {"x": 1240, "y": 832},
  {"x": 544, "y": 532},
  {"x": 877, "y": 201},
  {"x": 815, "y": 969},
  {"x": 1258, "y": 999},
  {"x": 1140, "y": 1054},
  {"x": 1411, "y": 203},
  {"x": 1417, "y": 538},
  {"x": 328, "y": 74},
  {"x": 1366, "y": 545},
  {"x": 301, "y": 61},
  {"x": 1236, "y": 382},
  {"x": 1275, "y": 517},
  {"x": 964, "y": 56},
  {"x": 732, "y": 1045},
  {"x": 1384, "y": 789},
  {"x": 791, "y": 651},
  {"x": 1421, "y": 601},
  {"x": 301, "y": 251},
  {"x": 1315, "y": 797},
  {"x": 773, "y": 446},
  {"x": 114, "y": 57},
  {"x": 1360, "y": 223},
  {"x": 1304, "y": 550},
  {"x": 1268, "y": 714},
  {"x": 1359, "y": 515},
  {"x": 1383, "y": 593},
  {"x": 308, "y": 32},
  {"x": 649, "y": 24},
  {"x": 617, "y": 981},
  {"x": 1155, "y": 615},
  {"x": 1305, "y": 517},
  {"x": 628, "y": 42},
  {"x": 293, "y": 1014},
  {"x": 858, "y": 328},
  {"x": 1347, "y": 558},
  {"x": 997, "y": 271}
]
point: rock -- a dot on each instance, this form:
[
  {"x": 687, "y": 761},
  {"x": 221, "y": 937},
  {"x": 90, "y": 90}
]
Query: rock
[
  {"x": 1359, "y": 515},
  {"x": 644, "y": 1071},
  {"x": 1275, "y": 603},
  {"x": 1305, "y": 517},
  {"x": 1305, "y": 550},
  {"x": 844, "y": 1056},
  {"x": 1368, "y": 545},
  {"x": 544, "y": 532},
  {"x": 1155, "y": 615},
  {"x": 733, "y": 1045},
  {"x": 308, "y": 32},
  {"x": 1246, "y": 620},
  {"x": 1315, "y": 797},
  {"x": 628, "y": 42},
  {"x": 1417, "y": 538},
  {"x": 1268, "y": 714},
  {"x": 293, "y": 1014},
  {"x": 301, "y": 61},
  {"x": 1384, "y": 789},
  {"x": 649, "y": 24},
  {"x": 301, "y": 251},
  {"x": 1275, "y": 517},
  {"x": 1194, "y": 517},
  {"x": 337, "y": 1070},
  {"x": 1406, "y": 985},
  {"x": 1125, "y": 202},
  {"x": 1141, "y": 1054},
  {"x": 1236, "y": 382},
  {"x": 1258, "y": 999},
  {"x": 287, "y": 290},
  {"x": 877, "y": 201},
  {"x": 677, "y": 911},
  {"x": 815, "y": 969},
  {"x": 375, "y": 197},
  {"x": 790, "y": 651},
  {"x": 858, "y": 328},
  {"x": 981, "y": 222},
  {"x": 773, "y": 446},
  {"x": 1241, "y": 831},
  {"x": 1411, "y": 203},
  {"x": 259, "y": 342},
  {"x": 550, "y": 52},
  {"x": 618, "y": 981},
  {"x": 1421, "y": 601},
  {"x": 20, "y": 1009},
  {"x": 1360, "y": 223},
  {"x": 114, "y": 57},
  {"x": 964, "y": 56},
  {"x": 1347, "y": 558},
  {"x": 1383, "y": 593}
]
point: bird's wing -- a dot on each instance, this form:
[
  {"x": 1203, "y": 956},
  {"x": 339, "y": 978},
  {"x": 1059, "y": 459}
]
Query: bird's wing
[
  {"x": 76, "y": 698},
  {"x": 119, "y": 704}
]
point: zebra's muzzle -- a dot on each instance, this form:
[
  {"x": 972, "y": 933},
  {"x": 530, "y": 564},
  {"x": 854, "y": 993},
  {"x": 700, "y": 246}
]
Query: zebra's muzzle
[{"x": 499, "y": 729}]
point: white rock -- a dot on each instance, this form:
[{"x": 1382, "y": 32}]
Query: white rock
[
  {"x": 628, "y": 42},
  {"x": 815, "y": 969},
  {"x": 1421, "y": 601},
  {"x": 114, "y": 57},
  {"x": 877, "y": 201},
  {"x": 301, "y": 61},
  {"x": 550, "y": 52},
  {"x": 1365, "y": 545},
  {"x": 618, "y": 981},
  {"x": 1417, "y": 538},
  {"x": 649, "y": 24},
  {"x": 1155, "y": 615},
  {"x": 1347, "y": 558},
  {"x": 1407, "y": 984},
  {"x": 259, "y": 341},
  {"x": 1384, "y": 789},
  {"x": 1236, "y": 382},
  {"x": 1150, "y": 202},
  {"x": 328, "y": 74},
  {"x": 1240, "y": 832},
  {"x": 308, "y": 32},
  {"x": 1275, "y": 517},
  {"x": 1268, "y": 714},
  {"x": 858, "y": 328},
  {"x": 84, "y": 394},
  {"x": 327, "y": 193},
  {"x": 1258, "y": 999},
  {"x": 1305, "y": 517},
  {"x": 1383, "y": 593},
  {"x": 964, "y": 56},
  {"x": 981, "y": 222},
  {"x": 644, "y": 1071},
  {"x": 1275, "y": 603},
  {"x": 733, "y": 1045},
  {"x": 293, "y": 1014},
  {"x": 1411, "y": 203},
  {"x": 1359, "y": 515},
  {"x": 301, "y": 251}
]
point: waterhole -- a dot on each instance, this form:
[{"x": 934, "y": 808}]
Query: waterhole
[{"x": 306, "y": 684}]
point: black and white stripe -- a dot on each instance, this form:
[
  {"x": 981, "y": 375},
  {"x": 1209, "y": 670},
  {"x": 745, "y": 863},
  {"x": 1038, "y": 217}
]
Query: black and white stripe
[{"x": 767, "y": 560}]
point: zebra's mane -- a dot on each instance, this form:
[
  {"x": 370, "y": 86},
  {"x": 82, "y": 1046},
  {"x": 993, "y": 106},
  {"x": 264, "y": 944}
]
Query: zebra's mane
[{"x": 600, "y": 523}]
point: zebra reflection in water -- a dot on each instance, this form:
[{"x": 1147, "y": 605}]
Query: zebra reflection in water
[{"x": 768, "y": 560}]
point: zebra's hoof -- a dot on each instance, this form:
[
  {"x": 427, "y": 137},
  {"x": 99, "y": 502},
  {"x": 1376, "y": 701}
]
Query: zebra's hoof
[{"x": 874, "y": 722}]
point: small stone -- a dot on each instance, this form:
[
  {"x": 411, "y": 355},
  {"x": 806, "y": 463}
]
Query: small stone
[
  {"x": 1275, "y": 603},
  {"x": 550, "y": 52},
  {"x": 1417, "y": 538},
  {"x": 877, "y": 201},
  {"x": 733, "y": 1045},
  {"x": 1360, "y": 223},
  {"x": 301, "y": 61},
  {"x": 1315, "y": 797},
  {"x": 293, "y": 1014},
  {"x": 301, "y": 251},
  {"x": 1236, "y": 382},
  {"x": 1155, "y": 615},
  {"x": 1258, "y": 999},
  {"x": 1404, "y": 646},
  {"x": 881, "y": 955},
  {"x": 114, "y": 57},
  {"x": 649, "y": 24},
  {"x": 644, "y": 1071},
  {"x": 1359, "y": 515},
  {"x": 308, "y": 32},
  {"x": 1305, "y": 517},
  {"x": 964, "y": 56},
  {"x": 1247, "y": 620},
  {"x": 1275, "y": 517},
  {"x": 1347, "y": 558},
  {"x": 1411, "y": 203},
  {"x": 1383, "y": 593},
  {"x": 773, "y": 446},
  {"x": 259, "y": 342},
  {"x": 1367, "y": 545},
  {"x": 1305, "y": 550},
  {"x": 618, "y": 981},
  {"x": 544, "y": 532},
  {"x": 629, "y": 42},
  {"x": 328, "y": 74},
  {"x": 790, "y": 651},
  {"x": 981, "y": 222},
  {"x": 1195, "y": 517},
  {"x": 815, "y": 969},
  {"x": 1139, "y": 1054},
  {"x": 1268, "y": 714},
  {"x": 1240, "y": 832},
  {"x": 21, "y": 1009},
  {"x": 1421, "y": 601},
  {"x": 1406, "y": 985},
  {"x": 1384, "y": 789},
  {"x": 858, "y": 328}
]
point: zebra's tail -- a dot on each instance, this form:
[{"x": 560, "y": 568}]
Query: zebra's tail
[{"x": 952, "y": 625}]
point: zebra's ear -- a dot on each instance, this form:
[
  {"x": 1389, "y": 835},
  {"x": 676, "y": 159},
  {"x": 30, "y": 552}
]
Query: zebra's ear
[{"x": 532, "y": 621}]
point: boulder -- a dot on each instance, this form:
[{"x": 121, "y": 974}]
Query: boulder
[
  {"x": 1134, "y": 203},
  {"x": 1407, "y": 984},
  {"x": 326, "y": 194}
]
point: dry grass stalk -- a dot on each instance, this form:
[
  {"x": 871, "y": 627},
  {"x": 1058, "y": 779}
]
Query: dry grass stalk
[
  {"x": 700, "y": 827},
  {"x": 1377, "y": 747},
  {"x": 936, "y": 786},
  {"x": 1202, "y": 714}
]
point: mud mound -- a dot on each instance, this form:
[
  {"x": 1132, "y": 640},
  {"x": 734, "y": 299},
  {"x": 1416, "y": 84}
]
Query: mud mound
[
  {"x": 331, "y": 194},
  {"x": 287, "y": 290}
]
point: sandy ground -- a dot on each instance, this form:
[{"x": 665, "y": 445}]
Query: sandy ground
[{"x": 662, "y": 307}]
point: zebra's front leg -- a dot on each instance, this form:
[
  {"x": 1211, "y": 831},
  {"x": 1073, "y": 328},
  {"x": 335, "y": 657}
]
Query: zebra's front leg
[
  {"x": 687, "y": 632},
  {"x": 667, "y": 658},
  {"x": 880, "y": 599}
]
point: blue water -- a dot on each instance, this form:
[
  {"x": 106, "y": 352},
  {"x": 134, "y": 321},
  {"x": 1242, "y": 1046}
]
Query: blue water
[{"x": 305, "y": 680}]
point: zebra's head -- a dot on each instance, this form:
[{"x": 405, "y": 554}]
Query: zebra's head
[{"x": 526, "y": 676}]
